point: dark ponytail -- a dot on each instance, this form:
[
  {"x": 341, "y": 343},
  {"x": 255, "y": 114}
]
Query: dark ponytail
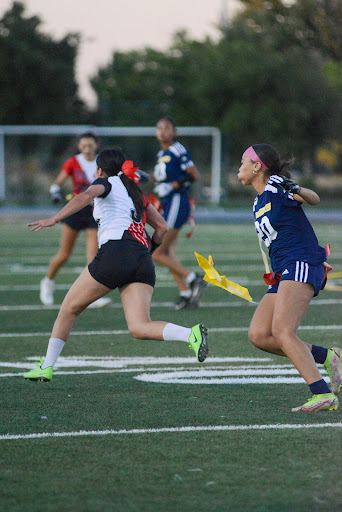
[
  {"x": 271, "y": 158},
  {"x": 111, "y": 161},
  {"x": 136, "y": 195}
]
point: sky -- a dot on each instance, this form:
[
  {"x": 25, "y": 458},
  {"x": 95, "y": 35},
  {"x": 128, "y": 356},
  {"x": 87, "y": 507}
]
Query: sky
[{"x": 110, "y": 25}]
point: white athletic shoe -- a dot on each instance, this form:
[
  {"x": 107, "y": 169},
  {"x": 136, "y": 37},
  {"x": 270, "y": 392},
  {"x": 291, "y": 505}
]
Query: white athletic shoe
[
  {"x": 100, "y": 303},
  {"x": 47, "y": 288}
]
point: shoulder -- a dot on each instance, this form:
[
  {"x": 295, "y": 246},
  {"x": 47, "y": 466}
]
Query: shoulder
[
  {"x": 107, "y": 186},
  {"x": 177, "y": 149}
]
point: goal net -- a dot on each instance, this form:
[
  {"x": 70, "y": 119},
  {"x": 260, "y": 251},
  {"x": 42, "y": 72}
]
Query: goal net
[{"x": 32, "y": 156}]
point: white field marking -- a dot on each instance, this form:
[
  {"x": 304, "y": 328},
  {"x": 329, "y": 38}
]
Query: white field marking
[
  {"x": 139, "y": 431},
  {"x": 40, "y": 269},
  {"x": 118, "y": 305},
  {"x": 109, "y": 333},
  {"x": 219, "y": 257},
  {"x": 226, "y": 376},
  {"x": 122, "y": 362}
]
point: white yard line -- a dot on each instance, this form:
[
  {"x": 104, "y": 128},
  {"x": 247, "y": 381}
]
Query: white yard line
[
  {"x": 140, "y": 431},
  {"x": 109, "y": 332},
  {"x": 118, "y": 305}
]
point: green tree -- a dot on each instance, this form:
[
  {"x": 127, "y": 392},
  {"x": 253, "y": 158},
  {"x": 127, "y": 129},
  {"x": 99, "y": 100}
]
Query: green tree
[{"x": 37, "y": 73}]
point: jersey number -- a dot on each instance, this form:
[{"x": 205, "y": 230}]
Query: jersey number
[
  {"x": 134, "y": 216},
  {"x": 266, "y": 231}
]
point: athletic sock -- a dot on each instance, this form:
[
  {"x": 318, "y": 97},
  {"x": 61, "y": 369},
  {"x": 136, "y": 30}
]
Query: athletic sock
[
  {"x": 173, "y": 332},
  {"x": 319, "y": 387},
  {"x": 54, "y": 349},
  {"x": 191, "y": 277},
  {"x": 319, "y": 353}
]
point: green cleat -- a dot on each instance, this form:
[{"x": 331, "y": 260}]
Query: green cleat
[
  {"x": 198, "y": 342},
  {"x": 323, "y": 402},
  {"x": 44, "y": 375},
  {"x": 332, "y": 365}
]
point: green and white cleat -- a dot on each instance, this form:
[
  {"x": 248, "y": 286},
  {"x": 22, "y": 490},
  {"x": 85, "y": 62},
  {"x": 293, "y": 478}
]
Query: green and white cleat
[
  {"x": 198, "y": 342},
  {"x": 323, "y": 402},
  {"x": 39, "y": 374},
  {"x": 332, "y": 365}
]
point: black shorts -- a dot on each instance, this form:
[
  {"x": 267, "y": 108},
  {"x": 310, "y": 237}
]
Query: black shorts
[
  {"x": 121, "y": 262},
  {"x": 81, "y": 220}
]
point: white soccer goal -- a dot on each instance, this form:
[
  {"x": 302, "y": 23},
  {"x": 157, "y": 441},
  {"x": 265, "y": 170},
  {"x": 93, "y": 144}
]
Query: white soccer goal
[{"x": 146, "y": 131}]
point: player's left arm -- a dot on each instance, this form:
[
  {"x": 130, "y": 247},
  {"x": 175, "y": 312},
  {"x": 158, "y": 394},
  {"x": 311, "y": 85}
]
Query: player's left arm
[
  {"x": 300, "y": 194},
  {"x": 158, "y": 223},
  {"x": 75, "y": 205},
  {"x": 306, "y": 195},
  {"x": 192, "y": 174}
]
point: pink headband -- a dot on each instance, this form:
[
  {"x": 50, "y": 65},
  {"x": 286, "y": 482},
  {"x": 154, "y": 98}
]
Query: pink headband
[{"x": 253, "y": 156}]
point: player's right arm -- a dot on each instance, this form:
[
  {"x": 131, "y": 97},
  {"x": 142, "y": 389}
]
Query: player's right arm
[{"x": 75, "y": 205}]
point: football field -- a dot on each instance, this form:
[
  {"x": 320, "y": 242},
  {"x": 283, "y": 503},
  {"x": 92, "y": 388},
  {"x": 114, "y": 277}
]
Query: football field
[{"x": 140, "y": 426}]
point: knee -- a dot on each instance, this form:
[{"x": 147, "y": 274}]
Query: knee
[
  {"x": 63, "y": 257},
  {"x": 256, "y": 336},
  {"x": 71, "y": 308},
  {"x": 160, "y": 254},
  {"x": 138, "y": 331},
  {"x": 281, "y": 335}
]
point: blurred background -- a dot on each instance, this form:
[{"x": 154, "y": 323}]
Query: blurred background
[{"x": 259, "y": 71}]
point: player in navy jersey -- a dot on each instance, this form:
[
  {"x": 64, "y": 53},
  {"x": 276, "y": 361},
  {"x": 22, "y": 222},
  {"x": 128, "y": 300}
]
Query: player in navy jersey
[
  {"x": 298, "y": 263},
  {"x": 123, "y": 261},
  {"x": 81, "y": 170},
  {"x": 173, "y": 174}
]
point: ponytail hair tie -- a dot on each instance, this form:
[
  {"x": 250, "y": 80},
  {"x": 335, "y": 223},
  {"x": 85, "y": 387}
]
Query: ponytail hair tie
[{"x": 130, "y": 171}]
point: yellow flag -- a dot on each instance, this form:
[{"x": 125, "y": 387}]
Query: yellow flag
[{"x": 213, "y": 277}]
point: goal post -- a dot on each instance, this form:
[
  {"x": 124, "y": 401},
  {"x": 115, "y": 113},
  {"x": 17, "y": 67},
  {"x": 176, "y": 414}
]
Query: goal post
[{"x": 118, "y": 131}]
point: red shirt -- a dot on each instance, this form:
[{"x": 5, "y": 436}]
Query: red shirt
[{"x": 81, "y": 172}]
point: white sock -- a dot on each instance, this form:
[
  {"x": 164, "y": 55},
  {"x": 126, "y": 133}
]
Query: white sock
[
  {"x": 186, "y": 294},
  {"x": 173, "y": 332},
  {"x": 54, "y": 349},
  {"x": 191, "y": 277}
]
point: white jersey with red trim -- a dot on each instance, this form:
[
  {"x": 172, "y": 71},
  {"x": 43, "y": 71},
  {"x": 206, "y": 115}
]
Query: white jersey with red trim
[{"x": 114, "y": 212}]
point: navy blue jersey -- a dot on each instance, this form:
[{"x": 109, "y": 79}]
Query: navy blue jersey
[
  {"x": 172, "y": 165},
  {"x": 282, "y": 224}
]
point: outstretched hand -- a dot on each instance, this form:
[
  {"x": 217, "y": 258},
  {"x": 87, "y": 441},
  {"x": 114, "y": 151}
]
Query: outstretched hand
[{"x": 44, "y": 223}]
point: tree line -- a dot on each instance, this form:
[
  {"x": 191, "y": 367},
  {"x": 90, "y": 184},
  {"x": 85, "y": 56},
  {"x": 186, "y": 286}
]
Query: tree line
[{"x": 275, "y": 75}]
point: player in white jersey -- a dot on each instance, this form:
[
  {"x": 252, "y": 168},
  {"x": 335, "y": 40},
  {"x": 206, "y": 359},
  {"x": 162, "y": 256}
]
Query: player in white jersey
[
  {"x": 299, "y": 274},
  {"x": 81, "y": 170},
  {"x": 123, "y": 261},
  {"x": 173, "y": 173}
]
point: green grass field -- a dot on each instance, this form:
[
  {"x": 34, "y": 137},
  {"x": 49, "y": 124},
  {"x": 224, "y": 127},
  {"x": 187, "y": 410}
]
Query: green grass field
[{"x": 128, "y": 425}]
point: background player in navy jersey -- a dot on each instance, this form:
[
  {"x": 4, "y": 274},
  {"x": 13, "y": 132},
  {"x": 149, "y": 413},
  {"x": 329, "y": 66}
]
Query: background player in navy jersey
[
  {"x": 81, "y": 170},
  {"x": 123, "y": 261},
  {"x": 299, "y": 274},
  {"x": 173, "y": 173}
]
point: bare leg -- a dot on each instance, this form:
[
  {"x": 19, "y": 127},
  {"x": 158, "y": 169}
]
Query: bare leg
[
  {"x": 275, "y": 324},
  {"x": 136, "y": 300},
  {"x": 166, "y": 255},
  {"x": 260, "y": 329},
  {"x": 67, "y": 243},
  {"x": 92, "y": 243},
  {"x": 83, "y": 292},
  {"x": 291, "y": 305}
]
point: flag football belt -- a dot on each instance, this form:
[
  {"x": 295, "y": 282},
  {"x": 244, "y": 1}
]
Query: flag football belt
[{"x": 273, "y": 278}]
